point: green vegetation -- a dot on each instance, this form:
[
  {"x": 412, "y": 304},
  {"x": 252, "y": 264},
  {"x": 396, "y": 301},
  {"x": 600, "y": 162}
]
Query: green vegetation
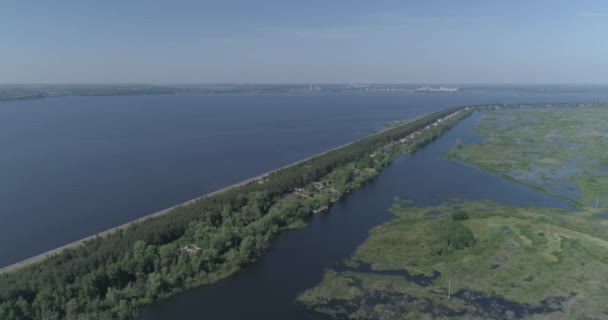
[
  {"x": 23, "y": 92},
  {"x": 525, "y": 262},
  {"x": 448, "y": 236},
  {"x": 560, "y": 151},
  {"x": 460, "y": 216},
  {"x": 38, "y": 91},
  {"x": 113, "y": 276},
  {"x": 19, "y": 94},
  {"x": 481, "y": 260}
]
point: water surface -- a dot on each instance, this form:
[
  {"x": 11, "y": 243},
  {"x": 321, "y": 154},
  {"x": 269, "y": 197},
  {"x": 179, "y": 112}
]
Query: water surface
[
  {"x": 267, "y": 289},
  {"x": 74, "y": 166}
]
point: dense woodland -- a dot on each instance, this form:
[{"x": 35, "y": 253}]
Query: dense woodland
[{"x": 112, "y": 277}]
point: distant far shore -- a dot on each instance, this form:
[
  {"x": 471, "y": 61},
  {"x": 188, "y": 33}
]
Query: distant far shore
[{"x": 14, "y": 92}]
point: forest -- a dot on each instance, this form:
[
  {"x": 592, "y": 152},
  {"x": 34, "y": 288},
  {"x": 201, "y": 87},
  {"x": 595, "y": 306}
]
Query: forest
[{"x": 112, "y": 277}]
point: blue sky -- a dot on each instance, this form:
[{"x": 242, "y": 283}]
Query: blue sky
[{"x": 534, "y": 41}]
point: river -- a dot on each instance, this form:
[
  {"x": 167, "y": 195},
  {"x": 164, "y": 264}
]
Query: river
[{"x": 267, "y": 288}]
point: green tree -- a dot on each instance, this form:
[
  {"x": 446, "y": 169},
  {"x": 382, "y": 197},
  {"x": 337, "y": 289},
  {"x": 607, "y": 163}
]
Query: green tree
[
  {"x": 460, "y": 216},
  {"x": 248, "y": 247}
]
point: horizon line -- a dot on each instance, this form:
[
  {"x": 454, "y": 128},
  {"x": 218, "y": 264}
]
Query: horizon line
[{"x": 308, "y": 83}]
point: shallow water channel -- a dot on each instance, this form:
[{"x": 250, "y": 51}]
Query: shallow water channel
[{"x": 267, "y": 289}]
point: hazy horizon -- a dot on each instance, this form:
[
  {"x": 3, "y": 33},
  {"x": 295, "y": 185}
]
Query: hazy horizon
[
  {"x": 275, "y": 42},
  {"x": 510, "y": 84}
]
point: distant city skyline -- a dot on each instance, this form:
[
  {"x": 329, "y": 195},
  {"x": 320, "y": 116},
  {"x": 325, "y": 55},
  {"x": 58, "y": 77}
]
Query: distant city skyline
[{"x": 400, "y": 42}]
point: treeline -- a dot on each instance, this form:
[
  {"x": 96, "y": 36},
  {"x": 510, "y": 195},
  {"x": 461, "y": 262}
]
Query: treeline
[
  {"x": 9, "y": 95},
  {"x": 112, "y": 277}
]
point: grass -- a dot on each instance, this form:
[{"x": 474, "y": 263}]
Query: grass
[
  {"x": 541, "y": 263},
  {"x": 560, "y": 151},
  {"x": 524, "y": 262}
]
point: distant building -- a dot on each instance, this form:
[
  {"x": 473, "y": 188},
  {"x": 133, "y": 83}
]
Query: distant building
[
  {"x": 320, "y": 184},
  {"x": 191, "y": 248},
  {"x": 303, "y": 192},
  {"x": 440, "y": 89},
  {"x": 262, "y": 180}
]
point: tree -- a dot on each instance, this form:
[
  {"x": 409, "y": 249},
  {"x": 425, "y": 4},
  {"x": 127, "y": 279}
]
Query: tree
[
  {"x": 460, "y": 216},
  {"x": 448, "y": 236},
  {"x": 110, "y": 277},
  {"x": 248, "y": 247},
  {"x": 156, "y": 285},
  {"x": 123, "y": 310}
]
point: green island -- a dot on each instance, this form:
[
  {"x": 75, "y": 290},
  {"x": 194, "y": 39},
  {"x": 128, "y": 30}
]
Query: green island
[
  {"x": 114, "y": 275},
  {"x": 477, "y": 259},
  {"x": 472, "y": 260}
]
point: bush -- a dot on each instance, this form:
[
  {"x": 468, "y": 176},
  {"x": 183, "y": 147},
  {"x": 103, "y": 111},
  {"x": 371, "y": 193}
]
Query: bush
[
  {"x": 449, "y": 236},
  {"x": 460, "y": 216}
]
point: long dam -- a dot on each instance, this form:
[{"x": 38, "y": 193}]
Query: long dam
[{"x": 58, "y": 250}]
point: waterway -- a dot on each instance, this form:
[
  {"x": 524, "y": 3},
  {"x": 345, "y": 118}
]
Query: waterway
[
  {"x": 267, "y": 289},
  {"x": 71, "y": 167}
]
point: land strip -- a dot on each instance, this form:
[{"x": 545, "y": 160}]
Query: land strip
[
  {"x": 125, "y": 226},
  {"x": 50, "y": 253},
  {"x": 113, "y": 276}
]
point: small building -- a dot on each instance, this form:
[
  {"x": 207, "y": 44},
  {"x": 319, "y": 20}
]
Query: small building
[
  {"x": 191, "y": 248},
  {"x": 303, "y": 192},
  {"x": 320, "y": 184}
]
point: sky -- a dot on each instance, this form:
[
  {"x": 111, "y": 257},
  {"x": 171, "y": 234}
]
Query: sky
[{"x": 284, "y": 41}]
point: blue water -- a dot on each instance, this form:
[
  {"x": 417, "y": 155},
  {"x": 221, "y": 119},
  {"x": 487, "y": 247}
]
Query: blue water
[
  {"x": 74, "y": 166},
  {"x": 267, "y": 289}
]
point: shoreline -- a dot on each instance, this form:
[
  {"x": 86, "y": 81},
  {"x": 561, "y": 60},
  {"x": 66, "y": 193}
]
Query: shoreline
[
  {"x": 42, "y": 256},
  {"x": 50, "y": 253}
]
